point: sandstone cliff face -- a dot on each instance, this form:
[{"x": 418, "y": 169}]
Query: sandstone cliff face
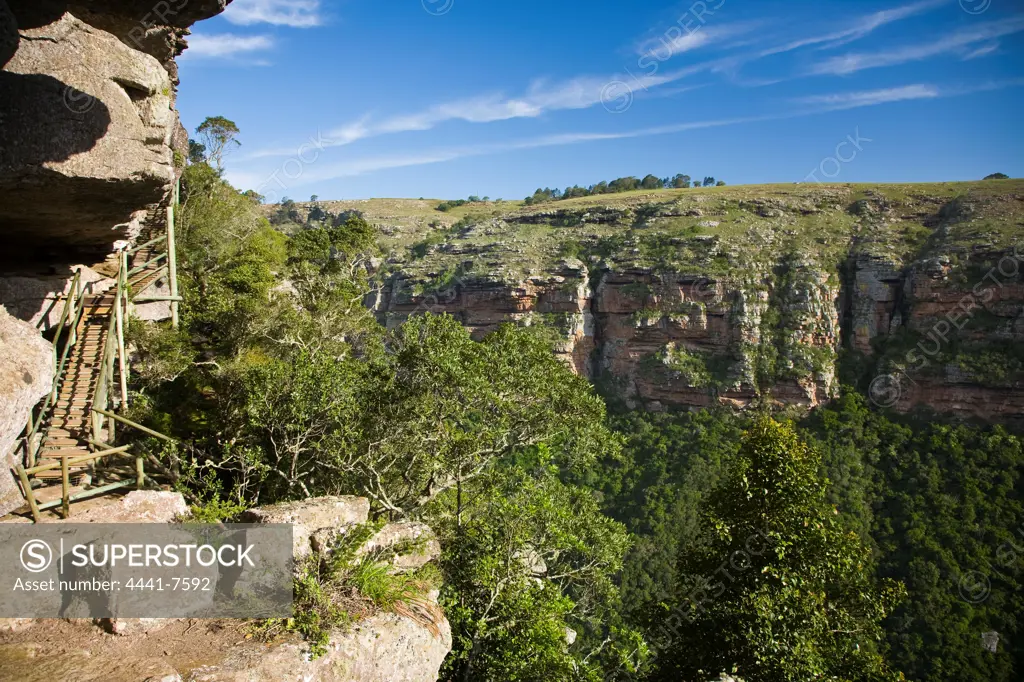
[
  {"x": 86, "y": 139},
  {"x": 26, "y": 375},
  {"x": 766, "y": 302},
  {"x": 663, "y": 338}
]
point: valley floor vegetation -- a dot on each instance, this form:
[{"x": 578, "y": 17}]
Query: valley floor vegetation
[{"x": 580, "y": 541}]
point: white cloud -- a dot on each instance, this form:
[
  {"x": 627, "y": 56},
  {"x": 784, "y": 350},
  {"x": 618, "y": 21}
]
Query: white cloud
[
  {"x": 858, "y": 30},
  {"x": 982, "y": 50},
  {"x": 864, "y": 98},
  {"x": 962, "y": 41},
  {"x": 663, "y": 47},
  {"x": 541, "y": 97},
  {"x": 225, "y": 45},
  {"x": 294, "y": 13}
]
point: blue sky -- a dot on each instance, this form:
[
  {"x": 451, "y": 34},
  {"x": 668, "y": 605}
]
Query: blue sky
[{"x": 447, "y": 98}]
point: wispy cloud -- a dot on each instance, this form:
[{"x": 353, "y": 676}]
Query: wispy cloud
[
  {"x": 294, "y": 13},
  {"x": 664, "y": 47},
  {"x": 226, "y": 45},
  {"x": 865, "y": 98},
  {"x": 982, "y": 50},
  {"x": 962, "y": 42},
  {"x": 861, "y": 28},
  {"x": 373, "y": 164},
  {"x": 541, "y": 97}
]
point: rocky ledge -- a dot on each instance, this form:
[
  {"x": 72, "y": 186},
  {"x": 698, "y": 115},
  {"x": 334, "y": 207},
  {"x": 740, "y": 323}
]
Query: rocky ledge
[
  {"x": 405, "y": 645},
  {"x": 89, "y": 138}
]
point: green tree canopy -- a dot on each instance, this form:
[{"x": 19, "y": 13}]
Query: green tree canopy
[
  {"x": 779, "y": 591},
  {"x": 218, "y": 135}
]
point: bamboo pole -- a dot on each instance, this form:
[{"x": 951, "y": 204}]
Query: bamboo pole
[
  {"x": 140, "y": 473},
  {"x": 26, "y": 486},
  {"x": 122, "y": 365},
  {"x": 73, "y": 338},
  {"x": 145, "y": 266},
  {"x": 153, "y": 299},
  {"x": 73, "y": 461},
  {"x": 65, "y": 486},
  {"x": 129, "y": 422},
  {"x": 30, "y": 432},
  {"x": 151, "y": 242},
  {"x": 172, "y": 258},
  {"x": 86, "y": 494}
]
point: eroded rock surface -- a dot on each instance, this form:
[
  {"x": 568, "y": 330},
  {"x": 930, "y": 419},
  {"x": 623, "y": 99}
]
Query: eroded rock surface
[
  {"x": 85, "y": 140},
  {"x": 741, "y": 296},
  {"x": 88, "y": 132},
  {"x": 414, "y": 545},
  {"x": 309, "y": 516},
  {"x": 26, "y": 375},
  {"x": 385, "y": 647},
  {"x": 138, "y": 506}
]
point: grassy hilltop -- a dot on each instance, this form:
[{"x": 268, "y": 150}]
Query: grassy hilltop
[{"x": 717, "y": 229}]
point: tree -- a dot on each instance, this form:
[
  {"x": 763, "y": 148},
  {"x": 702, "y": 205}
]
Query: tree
[
  {"x": 495, "y": 397},
  {"x": 651, "y": 182},
  {"x": 196, "y": 152},
  {"x": 313, "y": 198},
  {"x": 624, "y": 184},
  {"x": 942, "y": 503},
  {"x": 720, "y": 183},
  {"x": 218, "y": 137},
  {"x": 526, "y": 558},
  {"x": 779, "y": 591},
  {"x": 708, "y": 181},
  {"x": 681, "y": 181},
  {"x": 997, "y": 176}
]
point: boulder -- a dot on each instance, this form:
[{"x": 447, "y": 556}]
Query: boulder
[
  {"x": 385, "y": 647},
  {"x": 138, "y": 506},
  {"x": 26, "y": 375},
  {"x": 154, "y": 311},
  {"x": 414, "y": 544},
  {"x": 309, "y": 516},
  {"x": 85, "y": 140}
]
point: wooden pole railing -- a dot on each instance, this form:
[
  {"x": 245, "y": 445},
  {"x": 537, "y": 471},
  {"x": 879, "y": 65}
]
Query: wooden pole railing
[{"x": 172, "y": 257}]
